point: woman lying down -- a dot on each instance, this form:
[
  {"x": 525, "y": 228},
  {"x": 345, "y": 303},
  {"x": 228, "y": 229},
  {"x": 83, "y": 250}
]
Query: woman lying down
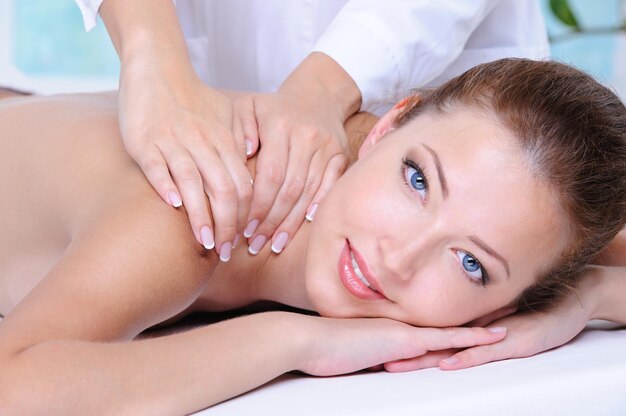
[{"x": 489, "y": 194}]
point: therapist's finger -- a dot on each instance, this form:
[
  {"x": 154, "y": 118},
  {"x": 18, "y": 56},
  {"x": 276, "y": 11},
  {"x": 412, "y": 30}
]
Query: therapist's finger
[
  {"x": 316, "y": 180},
  {"x": 153, "y": 165},
  {"x": 189, "y": 181},
  {"x": 237, "y": 132},
  {"x": 335, "y": 168},
  {"x": 246, "y": 119},
  {"x": 271, "y": 166},
  {"x": 243, "y": 184},
  {"x": 222, "y": 195},
  {"x": 297, "y": 180}
]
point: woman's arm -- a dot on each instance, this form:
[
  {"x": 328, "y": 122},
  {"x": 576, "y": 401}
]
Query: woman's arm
[{"x": 66, "y": 347}]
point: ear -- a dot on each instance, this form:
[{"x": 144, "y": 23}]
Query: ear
[{"x": 385, "y": 124}]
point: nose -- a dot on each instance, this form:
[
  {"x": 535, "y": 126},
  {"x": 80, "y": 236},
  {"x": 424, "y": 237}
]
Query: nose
[{"x": 403, "y": 256}]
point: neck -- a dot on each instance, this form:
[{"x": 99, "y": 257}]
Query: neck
[
  {"x": 280, "y": 278},
  {"x": 247, "y": 279}
]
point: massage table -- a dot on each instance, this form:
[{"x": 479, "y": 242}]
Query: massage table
[{"x": 584, "y": 377}]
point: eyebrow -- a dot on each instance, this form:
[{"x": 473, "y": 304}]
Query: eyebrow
[
  {"x": 444, "y": 191},
  {"x": 480, "y": 243},
  {"x": 442, "y": 177}
]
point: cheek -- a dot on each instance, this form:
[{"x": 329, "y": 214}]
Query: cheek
[{"x": 439, "y": 296}]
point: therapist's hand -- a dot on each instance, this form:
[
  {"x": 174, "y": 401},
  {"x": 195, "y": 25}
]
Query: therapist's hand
[
  {"x": 179, "y": 132},
  {"x": 528, "y": 333},
  {"x": 303, "y": 147}
]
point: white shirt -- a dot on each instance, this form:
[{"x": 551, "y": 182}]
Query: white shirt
[{"x": 388, "y": 47}]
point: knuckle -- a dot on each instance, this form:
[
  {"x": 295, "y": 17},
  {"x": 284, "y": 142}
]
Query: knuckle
[
  {"x": 151, "y": 163},
  {"x": 187, "y": 173},
  {"x": 270, "y": 224},
  {"x": 196, "y": 213},
  {"x": 225, "y": 190},
  {"x": 309, "y": 134},
  {"x": 245, "y": 192},
  {"x": 293, "y": 188},
  {"x": 310, "y": 187},
  {"x": 274, "y": 174},
  {"x": 281, "y": 125}
]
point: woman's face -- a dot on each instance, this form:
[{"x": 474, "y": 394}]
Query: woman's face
[{"x": 442, "y": 217}]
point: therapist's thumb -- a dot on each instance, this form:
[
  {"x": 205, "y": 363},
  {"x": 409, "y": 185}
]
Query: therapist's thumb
[{"x": 246, "y": 117}]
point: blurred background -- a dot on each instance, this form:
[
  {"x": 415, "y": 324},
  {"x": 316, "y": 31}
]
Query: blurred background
[{"x": 43, "y": 45}]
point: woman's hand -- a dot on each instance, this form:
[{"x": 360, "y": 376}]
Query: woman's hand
[
  {"x": 529, "y": 333},
  {"x": 303, "y": 146},
  {"x": 179, "y": 131},
  {"x": 341, "y": 346}
]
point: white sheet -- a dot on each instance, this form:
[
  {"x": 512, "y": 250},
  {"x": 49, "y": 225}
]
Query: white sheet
[{"x": 585, "y": 377}]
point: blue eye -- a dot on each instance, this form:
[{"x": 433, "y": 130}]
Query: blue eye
[
  {"x": 414, "y": 177},
  {"x": 472, "y": 267}
]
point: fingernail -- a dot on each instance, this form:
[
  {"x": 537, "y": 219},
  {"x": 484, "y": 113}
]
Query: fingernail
[
  {"x": 279, "y": 242},
  {"x": 450, "y": 360},
  {"x": 236, "y": 241},
  {"x": 225, "y": 251},
  {"x": 497, "y": 329},
  {"x": 248, "y": 147},
  {"x": 311, "y": 212},
  {"x": 206, "y": 235},
  {"x": 257, "y": 244},
  {"x": 174, "y": 199},
  {"x": 250, "y": 228}
]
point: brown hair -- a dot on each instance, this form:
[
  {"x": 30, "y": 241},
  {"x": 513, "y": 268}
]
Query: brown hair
[{"x": 573, "y": 131}]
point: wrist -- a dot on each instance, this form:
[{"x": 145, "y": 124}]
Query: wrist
[
  {"x": 146, "y": 34},
  {"x": 296, "y": 337},
  {"x": 325, "y": 82}
]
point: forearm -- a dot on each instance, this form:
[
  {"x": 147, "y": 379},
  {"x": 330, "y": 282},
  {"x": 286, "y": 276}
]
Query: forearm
[
  {"x": 147, "y": 31},
  {"x": 173, "y": 374}
]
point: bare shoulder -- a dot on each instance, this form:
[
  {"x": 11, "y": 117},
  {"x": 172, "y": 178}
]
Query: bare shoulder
[
  {"x": 127, "y": 260},
  {"x": 130, "y": 267}
]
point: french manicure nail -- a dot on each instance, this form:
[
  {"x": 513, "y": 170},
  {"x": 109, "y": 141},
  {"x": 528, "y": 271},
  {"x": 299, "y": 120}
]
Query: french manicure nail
[
  {"x": 174, "y": 199},
  {"x": 450, "y": 360},
  {"x": 225, "y": 251},
  {"x": 497, "y": 329},
  {"x": 250, "y": 228},
  {"x": 257, "y": 244},
  {"x": 206, "y": 235},
  {"x": 236, "y": 241},
  {"x": 311, "y": 212},
  {"x": 279, "y": 242},
  {"x": 248, "y": 147}
]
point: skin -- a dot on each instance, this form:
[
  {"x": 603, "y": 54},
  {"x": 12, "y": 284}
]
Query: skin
[
  {"x": 190, "y": 140},
  {"x": 95, "y": 244},
  {"x": 412, "y": 240}
]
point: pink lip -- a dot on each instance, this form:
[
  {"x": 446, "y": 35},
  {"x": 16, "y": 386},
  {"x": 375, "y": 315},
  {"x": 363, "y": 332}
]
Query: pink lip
[{"x": 351, "y": 281}]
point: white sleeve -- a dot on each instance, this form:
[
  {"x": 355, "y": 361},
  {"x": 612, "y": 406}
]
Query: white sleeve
[
  {"x": 390, "y": 46},
  {"x": 89, "y": 10}
]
